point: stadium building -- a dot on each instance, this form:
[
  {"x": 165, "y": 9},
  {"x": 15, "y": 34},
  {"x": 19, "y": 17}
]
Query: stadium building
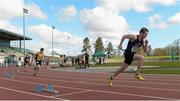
[{"x": 11, "y": 46}]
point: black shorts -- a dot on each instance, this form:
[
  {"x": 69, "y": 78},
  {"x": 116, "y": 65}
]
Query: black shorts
[
  {"x": 25, "y": 62},
  {"x": 38, "y": 62},
  {"x": 128, "y": 57}
]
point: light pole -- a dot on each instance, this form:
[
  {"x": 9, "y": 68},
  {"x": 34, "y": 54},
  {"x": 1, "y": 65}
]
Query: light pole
[
  {"x": 24, "y": 11},
  {"x": 106, "y": 45},
  {"x": 68, "y": 47},
  {"x": 178, "y": 48},
  {"x": 52, "y": 44}
]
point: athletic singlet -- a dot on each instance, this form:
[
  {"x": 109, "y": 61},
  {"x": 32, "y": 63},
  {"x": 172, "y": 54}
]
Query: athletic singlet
[
  {"x": 132, "y": 47},
  {"x": 40, "y": 56}
]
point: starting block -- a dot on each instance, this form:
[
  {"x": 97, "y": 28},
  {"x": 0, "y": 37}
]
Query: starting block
[
  {"x": 38, "y": 88},
  {"x": 48, "y": 89},
  {"x": 9, "y": 74}
]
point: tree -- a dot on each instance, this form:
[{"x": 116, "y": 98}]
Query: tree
[
  {"x": 162, "y": 51},
  {"x": 85, "y": 44},
  {"x": 109, "y": 48},
  {"x": 176, "y": 48},
  {"x": 99, "y": 45},
  {"x": 149, "y": 51},
  {"x": 166, "y": 51}
]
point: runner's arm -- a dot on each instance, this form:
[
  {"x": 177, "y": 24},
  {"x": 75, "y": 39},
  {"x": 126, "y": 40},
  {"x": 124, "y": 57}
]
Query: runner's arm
[
  {"x": 130, "y": 37},
  {"x": 145, "y": 43}
]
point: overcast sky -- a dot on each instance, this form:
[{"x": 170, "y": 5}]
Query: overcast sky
[{"x": 77, "y": 19}]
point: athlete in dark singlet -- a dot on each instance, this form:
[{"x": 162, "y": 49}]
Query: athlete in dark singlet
[{"x": 130, "y": 54}]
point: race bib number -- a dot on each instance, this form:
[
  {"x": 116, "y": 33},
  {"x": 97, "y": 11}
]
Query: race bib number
[{"x": 134, "y": 49}]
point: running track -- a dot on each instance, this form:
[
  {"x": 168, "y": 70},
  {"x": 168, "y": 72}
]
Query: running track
[{"x": 88, "y": 86}]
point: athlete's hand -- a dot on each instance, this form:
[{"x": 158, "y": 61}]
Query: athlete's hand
[{"x": 146, "y": 41}]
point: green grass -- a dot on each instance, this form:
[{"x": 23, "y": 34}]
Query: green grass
[
  {"x": 164, "y": 64},
  {"x": 160, "y": 57},
  {"x": 154, "y": 71},
  {"x": 108, "y": 64},
  {"x": 118, "y": 58},
  {"x": 164, "y": 67},
  {"x": 172, "y": 67},
  {"x": 114, "y": 59},
  {"x": 160, "y": 64}
]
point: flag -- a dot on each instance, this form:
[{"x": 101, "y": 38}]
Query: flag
[{"x": 25, "y": 10}]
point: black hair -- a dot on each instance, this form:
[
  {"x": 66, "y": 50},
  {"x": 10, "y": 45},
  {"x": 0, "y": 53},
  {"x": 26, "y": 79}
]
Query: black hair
[
  {"x": 42, "y": 49},
  {"x": 143, "y": 30}
]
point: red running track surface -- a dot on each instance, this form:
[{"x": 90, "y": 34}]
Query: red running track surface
[{"x": 87, "y": 86}]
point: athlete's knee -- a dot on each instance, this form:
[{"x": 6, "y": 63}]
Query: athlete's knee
[{"x": 142, "y": 58}]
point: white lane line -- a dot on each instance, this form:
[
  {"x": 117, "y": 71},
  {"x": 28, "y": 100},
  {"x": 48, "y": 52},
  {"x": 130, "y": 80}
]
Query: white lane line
[
  {"x": 59, "y": 75},
  {"x": 125, "y": 80},
  {"x": 54, "y": 72},
  {"x": 147, "y": 96},
  {"x": 24, "y": 92},
  {"x": 121, "y": 80},
  {"x": 79, "y": 92},
  {"x": 81, "y": 82},
  {"x": 162, "y": 75}
]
